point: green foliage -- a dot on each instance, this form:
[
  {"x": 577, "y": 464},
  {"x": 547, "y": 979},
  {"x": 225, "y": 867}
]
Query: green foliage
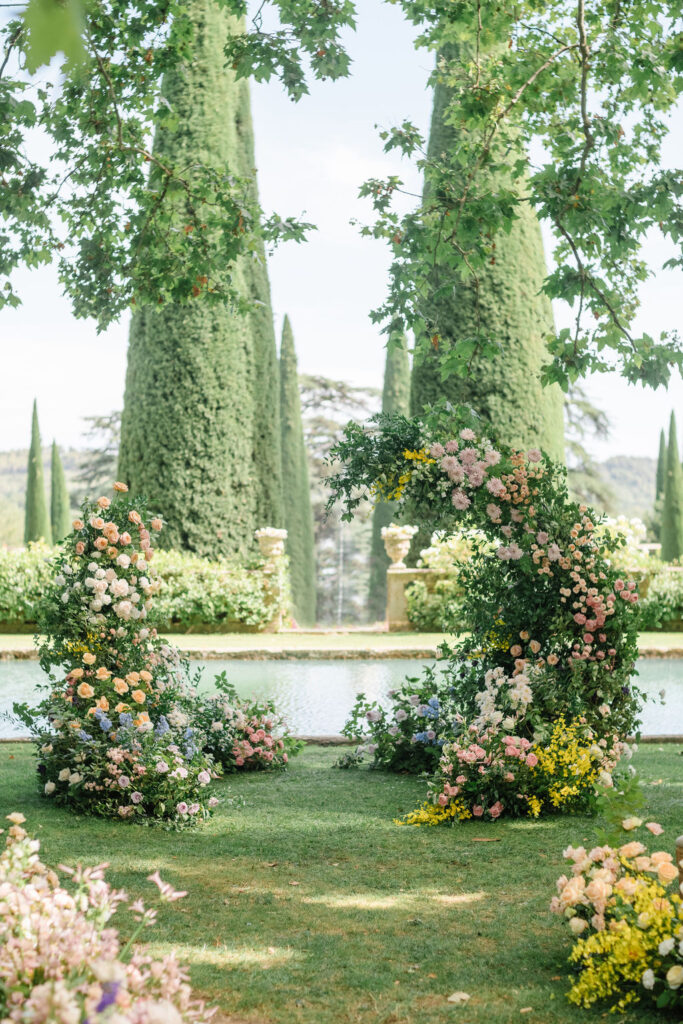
[
  {"x": 24, "y": 577},
  {"x": 660, "y": 484},
  {"x": 663, "y": 604},
  {"x": 672, "y": 509},
  {"x": 196, "y": 594},
  {"x": 60, "y": 517},
  {"x": 36, "y": 515},
  {"x": 503, "y": 302},
  {"x": 395, "y": 399},
  {"x": 125, "y": 223},
  {"x": 592, "y": 86},
  {"x": 296, "y": 491},
  {"x": 436, "y": 609},
  {"x": 200, "y": 432}
]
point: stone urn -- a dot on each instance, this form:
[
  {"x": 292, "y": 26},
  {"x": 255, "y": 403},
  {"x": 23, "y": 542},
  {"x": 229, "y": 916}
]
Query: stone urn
[
  {"x": 271, "y": 542},
  {"x": 397, "y": 541}
]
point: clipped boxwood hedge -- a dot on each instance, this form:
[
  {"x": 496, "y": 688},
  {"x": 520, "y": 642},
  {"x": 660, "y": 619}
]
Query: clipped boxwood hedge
[{"x": 198, "y": 595}]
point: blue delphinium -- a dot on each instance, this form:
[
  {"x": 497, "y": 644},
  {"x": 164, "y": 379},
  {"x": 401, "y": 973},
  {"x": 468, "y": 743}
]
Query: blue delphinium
[
  {"x": 162, "y": 726},
  {"x": 126, "y": 720}
]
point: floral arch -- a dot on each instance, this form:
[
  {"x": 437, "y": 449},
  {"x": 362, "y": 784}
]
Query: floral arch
[{"x": 552, "y": 644}]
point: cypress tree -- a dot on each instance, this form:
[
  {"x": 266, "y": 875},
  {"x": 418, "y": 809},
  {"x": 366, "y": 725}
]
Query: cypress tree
[
  {"x": 661, "y": 467},
  {"x": 200, "y": 428},
  {"x": 396, "y": 399},
  {"x": 37, "y": 519},
  {"x": 298, "y": 511},
  {"x": 505, "y": 389},
  {"x": 60, "y": 516},
  {"x": 672, "y": 512}
]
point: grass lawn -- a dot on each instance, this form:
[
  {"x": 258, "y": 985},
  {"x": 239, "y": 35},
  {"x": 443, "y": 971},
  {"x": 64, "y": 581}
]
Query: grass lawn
[{"x": 308, "y": 905}]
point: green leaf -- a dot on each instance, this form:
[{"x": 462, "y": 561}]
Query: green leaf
[{"x": 54, "y": 27}]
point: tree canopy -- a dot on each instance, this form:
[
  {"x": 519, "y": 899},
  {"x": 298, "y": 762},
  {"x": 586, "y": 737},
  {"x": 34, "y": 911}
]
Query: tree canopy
[{"x": 590, "y": 85}]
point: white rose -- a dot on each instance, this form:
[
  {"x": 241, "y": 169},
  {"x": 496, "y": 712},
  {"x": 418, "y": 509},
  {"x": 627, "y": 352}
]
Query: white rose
[
  {"x": 74, "y": 778},
  {"x": 49, "y": 788},
  {"x": 60, "y": 580},
  {"x": 90, "y": 582},
  {"x": 135, "y": 597},
  {"x": 666, "y": 946},
  {"x": 65, "y": 597},
  {"x": 64, "y": 774},
  {"x": 577, "y": 925},
  {"x": 674, "y": 976},
  {"x": 100, "y": 573},
  {"x": 648, "y": 979},
  {"x": 110, "y": 574},
  {"x": 92, "y": 566},
  {"x": 216, "y": 726},
  {"x": 123, "y": 561},
  {"x": 119, "y": 588}
]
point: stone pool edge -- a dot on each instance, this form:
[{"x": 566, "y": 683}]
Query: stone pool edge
[{"x": 320, "y": 654}]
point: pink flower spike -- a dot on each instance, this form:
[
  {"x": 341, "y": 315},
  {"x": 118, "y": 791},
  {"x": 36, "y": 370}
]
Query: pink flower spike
[{"x": 167, "y": 893}]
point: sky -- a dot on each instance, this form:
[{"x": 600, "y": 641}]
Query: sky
[{"x": 311, "y": 159}]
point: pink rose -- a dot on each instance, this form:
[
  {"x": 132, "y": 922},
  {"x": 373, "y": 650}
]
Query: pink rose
[
  {"x": 496, "y": 810},
  {"x": 477, "y": 810},
  {"x": 534, "y": 455},
  {"x": 443, "y": 799},
  {"x": 531, "y": 760}
]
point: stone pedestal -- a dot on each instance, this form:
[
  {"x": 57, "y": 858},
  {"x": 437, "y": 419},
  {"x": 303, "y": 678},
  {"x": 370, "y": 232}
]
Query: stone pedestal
[{"x": 398, "y": 579}]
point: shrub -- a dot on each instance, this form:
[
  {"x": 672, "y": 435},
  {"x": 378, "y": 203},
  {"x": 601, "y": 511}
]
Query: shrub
[
  {"x": 195, "y": 593},
  {"x": 436, "y": 610},
  {"x": 663, "y": 603},
  {"x": 243, "y": 735},
  {"x": 60, "y": 957}
]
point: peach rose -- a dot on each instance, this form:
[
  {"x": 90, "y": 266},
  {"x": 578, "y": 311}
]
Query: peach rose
[
  {"x": 156, "y": 523},
  {"x": 104, "y": 502},
  {"x": 133, "y": 677},
  {"x": 75, "y": 673},
  {"x": 100, "y": 543},
  {"x": 119, "y": 486},
  {"x": 85, "y": 690},
  {"x": 78, "y": 524},
  {"x": 80, "y": 547},
  {"x": 633, "y": 849},
  {"x": 138, "y": 696},
  {"x": 89, "y": 658},
  {"x": 134, "y": 517},
  {"x": 535, "y": 646},
  {"x": 112, "y": 552},
  {"x": 120, "y": 707},
  {"x": 667, "y": 873},
  {"x": 120, "y": 686},
  {"x": 142, "y": 718},
  {"x": 125, "y": 539},
  {"x": 146, "y": 676},
  {"x": 102, "y": 703},
  {"x": 102, "y": 673}
]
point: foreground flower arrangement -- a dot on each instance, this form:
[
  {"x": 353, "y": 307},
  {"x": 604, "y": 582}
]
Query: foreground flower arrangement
[
  {"x": 121, "y": 730},
  {"x": 61, "y": 962},
  {"x": 624, "y": 906},
  {"x": 530, "y": 712}
]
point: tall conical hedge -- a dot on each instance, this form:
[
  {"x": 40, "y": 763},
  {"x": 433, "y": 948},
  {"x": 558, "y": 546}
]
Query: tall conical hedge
[
  {"x": 200, "y": 432},
  {"x": 36, "y": 516},
  {"x": 60, "y": 518},
  {"x": 505, "y": 389},
  {"x": 396, "y": 399},
  {"x": 296, "y": 491},
  {"x": 661, "y": 467},
  {"x": 672, "y": 512}
]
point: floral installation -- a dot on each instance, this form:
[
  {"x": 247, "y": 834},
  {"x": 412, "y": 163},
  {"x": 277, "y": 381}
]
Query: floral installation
[
  {"x": 623, "y": 906},
  {"x": 243, "y": 735},
  {"x": 62, "y": 962},
  {"x": 113, "y": 733},
  {"x": 393, "y": 531},
  {"x": 410, "y": 734},
  {"x": 542, "y": 599}
]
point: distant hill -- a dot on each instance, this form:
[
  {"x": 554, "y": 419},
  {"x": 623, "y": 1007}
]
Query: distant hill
[
  {"x": 13, "y": 465},
  {"x": 633, "y": 480}
]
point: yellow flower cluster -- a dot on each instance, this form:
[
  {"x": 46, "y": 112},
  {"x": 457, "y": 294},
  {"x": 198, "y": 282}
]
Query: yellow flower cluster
[
  {"x": 434, "y": 814},
  {"x": 569, "y": 762},
  {"x": 611, "y": 959},
  {"x": 418, "y": 456},
  {"x": 391, "y": 490}
]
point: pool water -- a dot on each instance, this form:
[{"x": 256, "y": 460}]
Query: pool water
[{"x": 316, "y": 696}]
